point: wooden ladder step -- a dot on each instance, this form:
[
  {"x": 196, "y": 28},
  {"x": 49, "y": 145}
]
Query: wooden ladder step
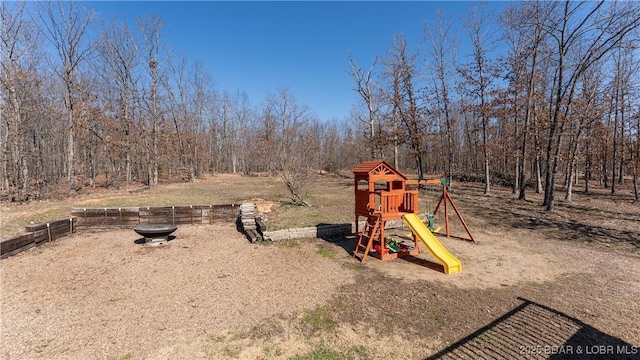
[{"x": 365, "y": 239}]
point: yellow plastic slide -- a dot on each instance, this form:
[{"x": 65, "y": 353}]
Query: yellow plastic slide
[{"x": 450, "y": 262}]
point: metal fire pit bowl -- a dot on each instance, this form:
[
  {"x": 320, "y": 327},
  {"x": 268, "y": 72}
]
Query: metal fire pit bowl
[{"x": 155, "y": 234}]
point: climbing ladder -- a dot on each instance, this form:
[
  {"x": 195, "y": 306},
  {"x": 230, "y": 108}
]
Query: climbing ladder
[{"x": 369, "y": 233}]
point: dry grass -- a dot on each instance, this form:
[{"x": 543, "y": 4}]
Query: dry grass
[
  {"x": 330, "y": 197},
  {"x": 110, "y": 296}
]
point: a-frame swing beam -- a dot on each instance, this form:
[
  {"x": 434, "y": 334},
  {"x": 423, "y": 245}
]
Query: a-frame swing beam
[{"x": 444, "y": 199}]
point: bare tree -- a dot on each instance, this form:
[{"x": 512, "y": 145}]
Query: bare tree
[
  {"x": 226, "y": 132},
  {"x": 18, "y": 40},
  {"x": 289, "y": 139},
  {"x": 634, "y": 122},
  {"x": 621, "y": 89},
  {"x": 120, "y": 59},
  {"x": 478, "y": 75},
  {"x": 524, "y": 24},
  {"x": 401, "y": 72},
  {"x": 235, "y": 131},
  {"x": 200, "y": 96},
  {"x": 583, "y": 34},
  {"x": 393, "y": 96},
  {"x": 244, "y": 116},
  {"x": 189, "y": 93},
  {"x": 65, "y": 27},
  {"x": 365, "y": 87},
  {"x": 442, "y": 47},
  {"x": 151, "y": 28},
  {"x": 586, "y": 110},
  {"x": 635, "y": 156},
  {"x": 179, "y": 112}
]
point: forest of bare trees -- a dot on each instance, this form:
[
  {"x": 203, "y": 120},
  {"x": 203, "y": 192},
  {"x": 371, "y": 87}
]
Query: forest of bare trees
[{"x": 546, "y": 95}]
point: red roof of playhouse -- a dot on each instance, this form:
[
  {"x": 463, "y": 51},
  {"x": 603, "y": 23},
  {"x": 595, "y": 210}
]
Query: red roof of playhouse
[{"x": 377, "y": 169}]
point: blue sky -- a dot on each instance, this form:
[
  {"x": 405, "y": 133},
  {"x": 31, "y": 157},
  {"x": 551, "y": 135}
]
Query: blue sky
[{"x": 260, "y": 46}]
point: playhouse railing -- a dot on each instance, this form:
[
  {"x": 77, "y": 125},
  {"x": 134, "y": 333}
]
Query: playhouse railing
[
  {"x": 394, "y": 202},
  {"x": 387, "y": 202},
  {"x": 410, "y": 201},
  {"x": 390, "y": 202}
]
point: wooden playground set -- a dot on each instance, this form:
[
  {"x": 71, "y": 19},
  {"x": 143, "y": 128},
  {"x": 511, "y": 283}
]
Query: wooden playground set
[{"x": 383, "y": 194}]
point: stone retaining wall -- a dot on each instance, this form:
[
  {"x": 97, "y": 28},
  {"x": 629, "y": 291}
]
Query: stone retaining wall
[{"x": 324, "y": 231}]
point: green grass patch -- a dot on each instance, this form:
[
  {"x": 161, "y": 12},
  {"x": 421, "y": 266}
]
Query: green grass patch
[
  {"x": 127, "y": 356},
  {"x": 356, "y": 267},
  {"x": 326, "y": 253},
  {"x": 318, "y": 319},
  {"x": 229, "y": 345},
  {"x": 271, "y": 352},
  {"x": 324, "y": 353},
  {"x": 438, "y": 320},
  {"x": 360, "y": 352},
  {"x": 217, "y": 339},
  {"x": 291, "y": 244},
  {"x": 233, "y": 350}
]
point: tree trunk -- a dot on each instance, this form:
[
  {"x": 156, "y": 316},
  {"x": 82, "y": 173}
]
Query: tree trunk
[
  {"x": 615, "y": 142},
  {"x": 573, "y": 153},
  {"x": 71, "y": 161},
  {"x": 5, "y": 161},
  {"x": 154, "y": 129},
  {"x": 396, "y": 159},
  {"x": 485, "y": 142},
  {"x": 364, "y": 88},
  {"x": 516, "y": 171},
  {"x": 449, "y": 171},
  {"x": 587, "y": 163},
  {"x": 487, "y": 179},
  {"x": 570, "y": 175},
  {"x": 605, "y": 177},
  {"x": 636, "y": 161},
  {"x": 622, "y": 140},
  {"x": 538, "y": 166}
]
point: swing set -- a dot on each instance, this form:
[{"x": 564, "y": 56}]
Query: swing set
[
  {"x": 382, "y": 194},
  {"x": 445, "y": 201}
]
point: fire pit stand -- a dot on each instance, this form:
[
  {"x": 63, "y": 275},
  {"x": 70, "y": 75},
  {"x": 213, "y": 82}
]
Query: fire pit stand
[{"x": 155, "y": 234}]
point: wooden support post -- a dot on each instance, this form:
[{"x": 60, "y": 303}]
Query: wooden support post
[{"x": 446, "y": 198}]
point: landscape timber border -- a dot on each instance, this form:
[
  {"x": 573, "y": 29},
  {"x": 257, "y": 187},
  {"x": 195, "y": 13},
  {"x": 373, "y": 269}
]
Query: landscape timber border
[
  {"x": 117, "y": 218},
  {"x": 129, "y": 217}
]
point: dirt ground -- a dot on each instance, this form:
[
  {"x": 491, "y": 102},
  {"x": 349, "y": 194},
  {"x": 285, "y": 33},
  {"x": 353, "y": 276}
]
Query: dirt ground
[
  {"x": 533, "y": 285},
  {"x": 100, "y": 295}
]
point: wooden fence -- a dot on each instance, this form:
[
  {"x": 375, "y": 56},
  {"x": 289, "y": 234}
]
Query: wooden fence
[
  {"x": 118, "y": 218},
  {"x": 37, "y": 234}
]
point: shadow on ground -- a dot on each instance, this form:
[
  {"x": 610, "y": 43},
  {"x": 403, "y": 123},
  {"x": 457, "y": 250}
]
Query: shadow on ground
[
  {"x": 533, "y": 330},
  {"x": 424, "y": 263},
  {"x": 348, "y": 244},
  {"x": 530, "y": 216}
]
